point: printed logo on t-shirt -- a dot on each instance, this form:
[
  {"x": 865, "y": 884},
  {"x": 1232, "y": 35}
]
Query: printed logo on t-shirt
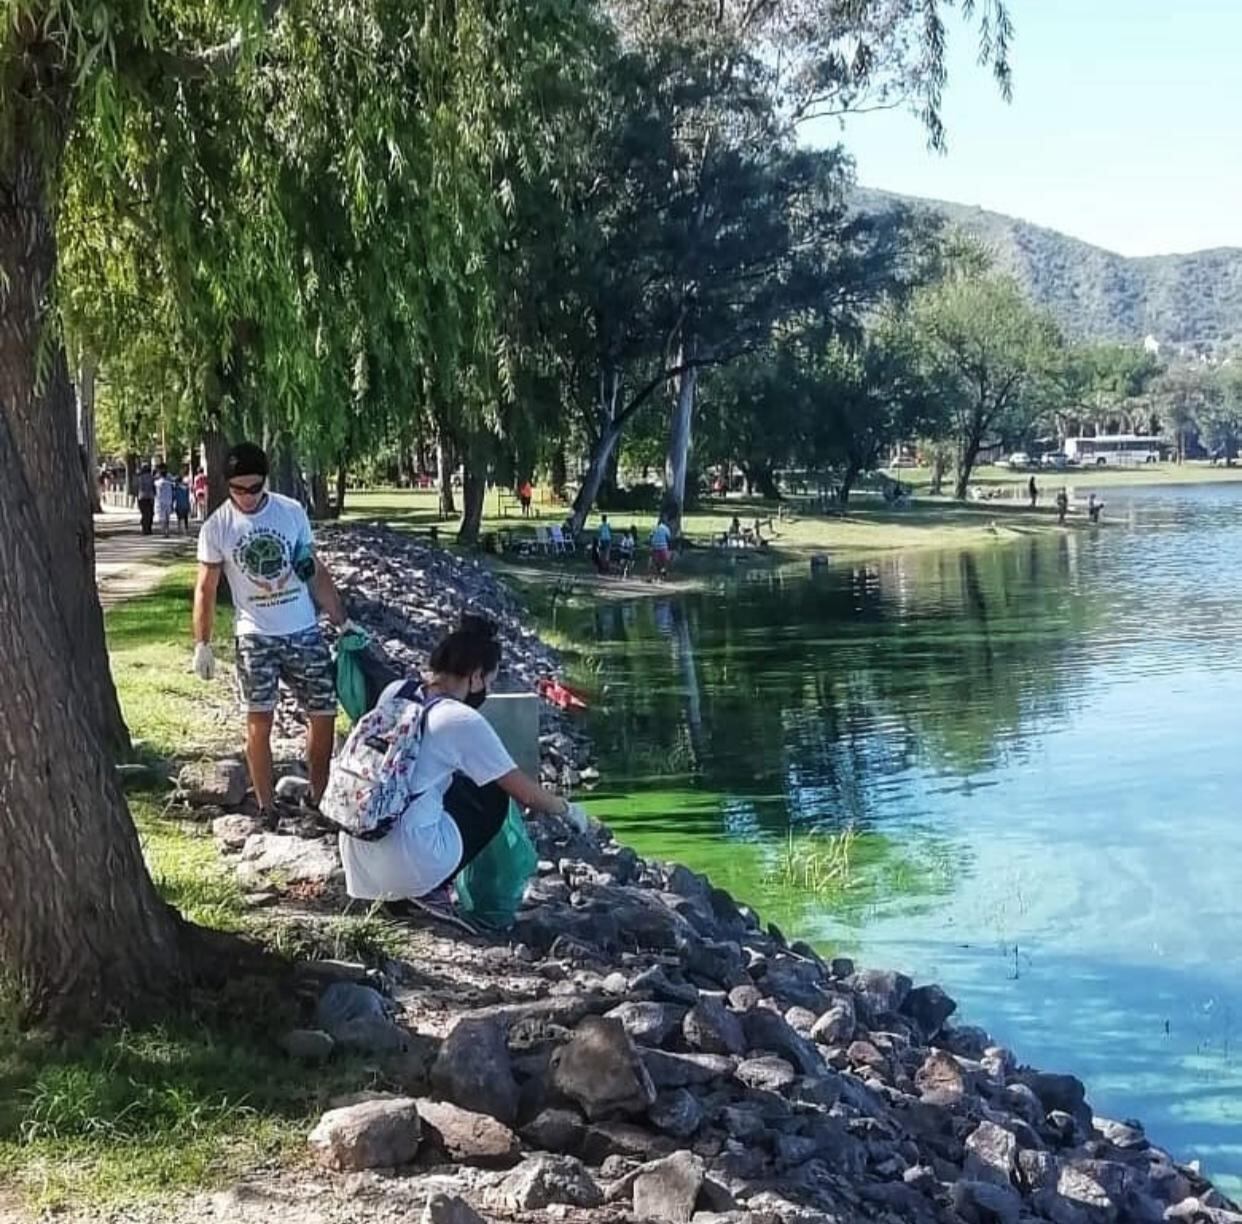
[{"x": 266, "y": 558}]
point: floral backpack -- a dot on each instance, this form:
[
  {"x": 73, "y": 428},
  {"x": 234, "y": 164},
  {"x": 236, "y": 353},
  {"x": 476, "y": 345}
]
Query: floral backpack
[{"x": 369, "y": 786}]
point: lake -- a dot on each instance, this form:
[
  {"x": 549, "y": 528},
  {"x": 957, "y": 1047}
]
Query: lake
[{"x": 1036, "y": 749}]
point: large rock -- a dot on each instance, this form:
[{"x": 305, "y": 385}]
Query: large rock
[
  {"x": 1099, "y": 1185},
  {"x": 676, "y": 1112},
  {"x": 307, "y": 1045},
  {"x": 375, "y": 1134},
  {"x": 650, "y": 1023},
  {"x": 991, "y": 1152},
  {"x": 217, "y": 783},
  {"x": 940, "y": 1079},
  {"x": 473, "y": 1069},
  {"x": 469, "y": 1138},
  {"x": 797, "y": 983},
  {"x": 987, "y": 1202},
  {"x": 769, "y": 1073},
  {"x": 450, "y": 1209},
  {"x": 1060, "y": 1092},
  {"x": 686, "y": 1070},
  {"x": 765, "y": 1030},
  {"x": 233, "y": 831},
  {"x": 662, "y": 987},
  {"x": 358, "y": 1018},
  {"x": 600, "y": 1070},
  {"x": 712, "y": 1028},
  {"x": 667, "y": 1189},
  {"x": 270, "y": 858},
  {"x": 836, "y": 1026},
  {"x": 556, "y": 1130},
  {"x": 879, "y": 991},
  {"x": 540, "y": 1181},
  {"x": 929, "y": 1007}
]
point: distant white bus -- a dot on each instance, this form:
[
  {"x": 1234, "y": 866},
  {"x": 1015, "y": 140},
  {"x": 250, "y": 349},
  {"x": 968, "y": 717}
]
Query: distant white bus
[{"x": 1116, "y": 450}]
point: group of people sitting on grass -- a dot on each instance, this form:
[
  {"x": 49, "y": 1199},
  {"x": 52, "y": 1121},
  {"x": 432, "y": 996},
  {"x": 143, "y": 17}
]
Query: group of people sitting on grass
[{"x": 435, "y": 790}]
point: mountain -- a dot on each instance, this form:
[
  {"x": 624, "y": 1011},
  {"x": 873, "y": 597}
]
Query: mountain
[{"x": 1186, "y": 301}]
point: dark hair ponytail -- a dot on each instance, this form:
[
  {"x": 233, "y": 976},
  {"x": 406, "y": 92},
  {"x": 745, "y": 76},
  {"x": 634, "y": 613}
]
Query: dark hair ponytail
[{"x": 471, "y": 647}]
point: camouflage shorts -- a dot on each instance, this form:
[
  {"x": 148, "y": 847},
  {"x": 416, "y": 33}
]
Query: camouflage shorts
[{"x": 301, "y": 660}]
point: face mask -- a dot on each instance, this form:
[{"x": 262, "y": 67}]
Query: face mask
[{"x": 474, "y": 700}]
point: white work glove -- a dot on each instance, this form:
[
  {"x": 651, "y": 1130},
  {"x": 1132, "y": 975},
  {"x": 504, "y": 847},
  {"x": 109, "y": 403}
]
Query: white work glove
[
  {"x": 575, "y": 815},
  {"x": 204, "y": 661}
]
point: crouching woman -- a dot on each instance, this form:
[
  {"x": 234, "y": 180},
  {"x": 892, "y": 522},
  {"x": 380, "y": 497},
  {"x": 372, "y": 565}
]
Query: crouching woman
[{"x": 463, "y": 779}]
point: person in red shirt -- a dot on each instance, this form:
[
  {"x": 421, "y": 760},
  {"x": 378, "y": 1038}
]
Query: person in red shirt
[{"x": 200, "y": 495}]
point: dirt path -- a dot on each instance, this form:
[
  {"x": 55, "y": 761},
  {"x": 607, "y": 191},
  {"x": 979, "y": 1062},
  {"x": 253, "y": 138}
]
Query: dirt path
[{"x": 127, "y": 563}]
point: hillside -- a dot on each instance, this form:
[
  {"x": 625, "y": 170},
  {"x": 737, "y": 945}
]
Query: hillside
[{"x": 1193, "y": 300}]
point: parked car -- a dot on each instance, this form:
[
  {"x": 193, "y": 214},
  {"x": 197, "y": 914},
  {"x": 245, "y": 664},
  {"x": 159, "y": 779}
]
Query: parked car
[
  {"x": 1054, "y": 459},
  {"x": 1019, "y": 460}
]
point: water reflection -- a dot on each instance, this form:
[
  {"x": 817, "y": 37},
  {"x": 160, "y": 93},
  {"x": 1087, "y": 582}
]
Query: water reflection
[{"x": 1038, "y": 739}]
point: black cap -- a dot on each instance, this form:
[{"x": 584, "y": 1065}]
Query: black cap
[{"x": 245, "y": 459}]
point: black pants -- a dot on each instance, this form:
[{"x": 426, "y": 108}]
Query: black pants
[
  {"x": 146, "y": 511},
  {"x": 478, "y": 812}
]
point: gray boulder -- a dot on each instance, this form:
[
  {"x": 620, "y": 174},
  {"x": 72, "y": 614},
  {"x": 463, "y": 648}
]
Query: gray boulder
[
  {"x": 649, "y": 1023},
  {"x": 987, "y": 1202},
  {"x": 940, "y": 1079},
  {"x": 358, "y": 1018},
  {"x": 542, "y": 1180},
  {"x": 667, "y": 1189},
  {"x": 234, "y": 830},
  {"x": 473, "y": 1069},
  {"x": 765, "y": 1030},
  {"x": 879, "y": 991},
  {"x": 712, "y": 1028},
  {"x": 600, "y": 1070},
  {"x": 768, "y": 1073},
  {"x": 556, "y": 1130},
  {"x": 929, "y": 1007},
  {"x": 270, "y": 858},
  {"x": 676, "y": 1112},
  {"x": 450, "y": 1209},
  {"x": 991, "y": 1153},
  {"x": 374, "y": 1134},
  {"x": 686, "y": 1070},
  {"x": 836, "y": 1026},
  {"x": 468, "y": 1138},
  {"x": 218, "y": 783},
  {"x": 307, "y": 1045}
]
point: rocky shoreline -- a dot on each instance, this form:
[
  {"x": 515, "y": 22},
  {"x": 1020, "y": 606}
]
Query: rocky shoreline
[{"x": 640, "y": 1046}]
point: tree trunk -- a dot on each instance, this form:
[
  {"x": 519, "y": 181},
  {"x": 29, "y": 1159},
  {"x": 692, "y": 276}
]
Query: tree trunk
[
  {"x": 679, "y": 439},
  {"x": 317, "y": 496},
  {"x": 83, "y": 934},
  {"x": 759, "y": 479},
  {"x": 966, "y": 465},
  {"x": 131, "y": 475},
  {"x": 87, "y": 439},
  {"x": 560, "y": 473},
  {"x": 937, "y": 474},
  {"x": 605, "y": 446},
  {"x": 37, "y": 403},
  {"x": 215, "y": 450},
  {"x": 846, "y": 487},
  {"x": 445, "y": 464},
  {"x": 474, "y": 489},
  {"x": 342, "y": 482}
]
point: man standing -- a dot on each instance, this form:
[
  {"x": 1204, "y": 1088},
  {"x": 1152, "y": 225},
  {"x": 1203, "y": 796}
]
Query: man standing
[
  {"x": 163, "y": 497},
  {"x": 145, "y": 489},
  {"x": 263, "y": 543}
]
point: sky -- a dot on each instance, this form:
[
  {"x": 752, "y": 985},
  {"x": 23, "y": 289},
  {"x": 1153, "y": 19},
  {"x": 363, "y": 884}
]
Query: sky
[{"x": 1125, "y": 127}]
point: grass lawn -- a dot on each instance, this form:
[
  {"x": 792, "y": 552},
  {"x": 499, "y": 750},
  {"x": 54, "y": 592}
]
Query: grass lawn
[
  {"x": 1193, "y": 471},
  {"x": 135, "y": 1114},
  {"x": 869, "y": 529}
]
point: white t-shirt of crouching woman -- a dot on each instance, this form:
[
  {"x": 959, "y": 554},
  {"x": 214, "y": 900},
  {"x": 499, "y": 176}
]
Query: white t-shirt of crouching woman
[{"x": 424, "y": 848}]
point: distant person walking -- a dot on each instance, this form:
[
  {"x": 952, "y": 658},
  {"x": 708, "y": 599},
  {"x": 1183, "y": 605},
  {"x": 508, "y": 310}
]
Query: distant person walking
[
  {"x": 525, "y": 493},
  {"x": 1033, "y": 490},
  {"x": 164, "y": 497},
  {"x": 181, "y": 504},
  {"x": 145, "y": 488},
  {"x": 263, "y": 544},
  {"x": 603, "y": 537},
  {"x": 1062, "y": 506},
  {"x": 1094, "y": 508},
  {"x": 661, "y": 549}
]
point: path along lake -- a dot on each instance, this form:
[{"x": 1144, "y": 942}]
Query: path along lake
[{"x": 1039, "y": 747}]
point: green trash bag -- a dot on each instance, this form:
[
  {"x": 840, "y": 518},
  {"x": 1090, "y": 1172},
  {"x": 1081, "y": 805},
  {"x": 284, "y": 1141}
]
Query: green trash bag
[
  {"x": 351, "y": 678},
  {"x": 490, "y": 888}
]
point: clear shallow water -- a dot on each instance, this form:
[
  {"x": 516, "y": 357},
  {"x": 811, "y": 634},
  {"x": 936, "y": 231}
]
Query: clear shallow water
[{"x": 1041, "y": 748}]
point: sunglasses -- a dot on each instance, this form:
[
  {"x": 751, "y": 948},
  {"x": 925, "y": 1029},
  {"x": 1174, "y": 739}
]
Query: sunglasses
[{"x": 246, "y": 490}]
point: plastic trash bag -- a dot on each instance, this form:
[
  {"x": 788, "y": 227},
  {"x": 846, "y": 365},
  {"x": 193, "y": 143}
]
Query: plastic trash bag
[
  {"x": 490, "y": 888},
  {"x": 362, "y": 674}
]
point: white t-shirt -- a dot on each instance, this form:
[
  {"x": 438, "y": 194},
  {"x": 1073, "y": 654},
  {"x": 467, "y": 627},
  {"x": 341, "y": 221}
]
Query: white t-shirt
[
  {"x": 164, "y": 494},
  {"x": 424, "y": 848},
  {"x": 256, "y": 551}
]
